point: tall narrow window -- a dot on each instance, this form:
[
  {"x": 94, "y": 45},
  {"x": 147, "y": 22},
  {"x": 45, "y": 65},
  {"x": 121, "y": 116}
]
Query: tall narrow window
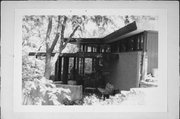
[{"x": 88, "y": 49}]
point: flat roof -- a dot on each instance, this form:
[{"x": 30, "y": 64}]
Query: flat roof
[
  {"x": 86, "y": 40},
  {"x": 109, "y": 38},
  {"x": 124, "y": 32}
]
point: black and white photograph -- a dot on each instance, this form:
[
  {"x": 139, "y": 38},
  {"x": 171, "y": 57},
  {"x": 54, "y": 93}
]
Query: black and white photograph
[
  {"x": 96, "y": 59},
  {"x": 88, "y": 60}
]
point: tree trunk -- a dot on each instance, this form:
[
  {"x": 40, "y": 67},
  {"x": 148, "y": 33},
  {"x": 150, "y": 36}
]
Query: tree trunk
[
  {"x": 49, "y": 50},
  {"x": 48, "y": 67}
]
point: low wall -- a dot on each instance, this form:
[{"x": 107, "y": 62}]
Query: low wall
[{"x": 76, "y": 91}]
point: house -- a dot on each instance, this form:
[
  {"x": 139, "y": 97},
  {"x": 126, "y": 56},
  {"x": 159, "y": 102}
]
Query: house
[{"x": 121, "y": 58}]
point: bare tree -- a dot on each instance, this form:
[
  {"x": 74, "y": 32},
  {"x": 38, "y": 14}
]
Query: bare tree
[{"x": 59, "y": 36}]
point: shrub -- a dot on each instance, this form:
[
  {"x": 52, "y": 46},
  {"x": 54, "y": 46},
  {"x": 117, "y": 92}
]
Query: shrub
[
  {"x": 43, "y": 92},
  {"x": 132, "y": 97}
]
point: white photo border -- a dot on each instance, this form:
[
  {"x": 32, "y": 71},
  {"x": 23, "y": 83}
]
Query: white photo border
[{"x": 10, "y": 110}]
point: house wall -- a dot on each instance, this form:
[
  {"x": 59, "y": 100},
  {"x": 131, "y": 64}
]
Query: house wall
[
  {"x": 152, "y": 50},
  {"x": 134, "y": 43},
  {"x": 125, "y": 71}
]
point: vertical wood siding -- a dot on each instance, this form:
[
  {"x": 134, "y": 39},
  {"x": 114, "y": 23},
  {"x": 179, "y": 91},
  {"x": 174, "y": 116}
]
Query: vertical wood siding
[{"x": 152, "y": 50}]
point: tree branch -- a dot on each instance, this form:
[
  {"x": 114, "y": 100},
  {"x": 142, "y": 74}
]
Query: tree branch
[
  {"x": 48, "y": 33},
  {"x": 49, "y": 27},
  {"x": 54, "y": 42},
  {"x": 56, "y": 37},
  {"x": 63, "y": 27},
  {"x": 72, "y": 34},
  {"x": 61, "y": 42},
  {"x": 61, "y": 46},
  {"x": 62, "y": 33},
  {"x": 70, "y": 37}
]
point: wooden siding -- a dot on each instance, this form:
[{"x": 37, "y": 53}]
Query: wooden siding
[
  {"x": 152, "y": 50},
  {"x": 125, "y": 71}
]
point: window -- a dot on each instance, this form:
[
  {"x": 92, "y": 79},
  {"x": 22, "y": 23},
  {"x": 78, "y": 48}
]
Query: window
[{"x": 88, "y": 65}]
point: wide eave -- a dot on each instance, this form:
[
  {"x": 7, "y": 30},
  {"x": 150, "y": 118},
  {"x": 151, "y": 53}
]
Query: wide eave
[{"x": 109, "y": 38}]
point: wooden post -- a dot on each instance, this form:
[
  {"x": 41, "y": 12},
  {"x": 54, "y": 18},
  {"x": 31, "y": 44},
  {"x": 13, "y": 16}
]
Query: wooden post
[
  {"x": 83, "y": 48},
  {"x": 93, "y": 64},
  {"x": 74, "y": 68},
  {"x": 78, "y": 65},
  {"x": 91, "y": 48},
  {"x": 98, "y": 48},
  {"x": 59, "y": 68},
  {"x": 80, "y": 49},
  {"x": 56, "y": 70},
  {"x": 83, "y": 65},
  {"x": 65, "y": 70},
  {"x": 86, "y": 48}
]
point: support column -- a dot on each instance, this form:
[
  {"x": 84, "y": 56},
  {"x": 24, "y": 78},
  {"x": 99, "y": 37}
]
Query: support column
[
  {"x": 91, "y": 48},
  {"x": 78, "y": 65},
  {"x": 65, "y": 70},
  {"x": 56, "y": 70},
  {"x": 84, "y": 48},
  {"x": 98, "y": 49},
  {"x": 74, "y": 68},
  {"x": 59, "y": 68},
  {"x": 83, "y": 65}
]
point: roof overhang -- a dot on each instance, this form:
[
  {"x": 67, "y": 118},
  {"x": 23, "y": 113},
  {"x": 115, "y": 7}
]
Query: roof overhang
[
  {"x": 125, "y": 36},
  {"x": 124, "y": 32},
  {"x": 85, "y": 40},
  {"x": 107, "y": 39}
]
